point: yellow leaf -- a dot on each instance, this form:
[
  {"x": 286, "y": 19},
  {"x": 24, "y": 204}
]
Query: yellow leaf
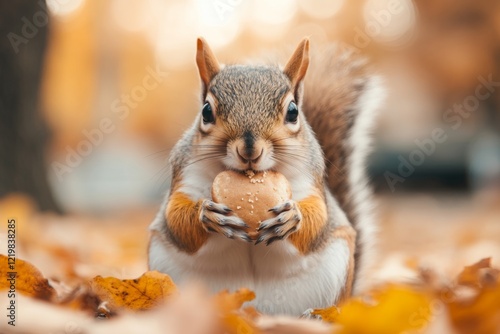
[
  {"x": 136, "y": 294},
  {"x": 27, "y": 279},
  {"x": 394, "y": 310}
]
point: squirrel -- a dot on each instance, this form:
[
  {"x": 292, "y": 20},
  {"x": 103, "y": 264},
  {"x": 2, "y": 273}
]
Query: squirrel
[{"x": 313, "y": 129}]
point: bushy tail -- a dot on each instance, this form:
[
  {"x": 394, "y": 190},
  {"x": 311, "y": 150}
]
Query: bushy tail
[{"x": 341, "y": 97}]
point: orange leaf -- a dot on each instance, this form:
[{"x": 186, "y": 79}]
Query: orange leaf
[
  {"x": 394, "y": 310},
  {"x": 238, "y": 325},
  {"x": 480, "y": 315},
  {"x": 136, "y": 294},
  {"x": 251, "y": 313},
  {"x": 471, "y": 275},
  {"x": 236, "y": 320},
  {"x": 329, "y": 314},
  {"x": 28, "y": 280},
  {"x": 227, "y": 301}
]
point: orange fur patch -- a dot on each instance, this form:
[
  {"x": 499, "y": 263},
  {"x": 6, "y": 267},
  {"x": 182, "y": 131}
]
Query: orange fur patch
[
  {"x": 314, "y": 215},
  {"x": 349, "y": 235},
  {"x": 183, "y": 222}
]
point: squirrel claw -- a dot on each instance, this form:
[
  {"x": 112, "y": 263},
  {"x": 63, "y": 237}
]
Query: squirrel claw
[
  {"x": 273, "y": 239},
  {"x": 281, "y": 226},
  {"x": 259, "y": 240},
  {"x": 216, "y": 207},
  {"x": 286, "y": 206},
  {"x": 218, "y": 218}
]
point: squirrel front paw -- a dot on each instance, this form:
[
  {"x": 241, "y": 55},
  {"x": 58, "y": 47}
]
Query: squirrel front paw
[
  {"x": 219, "y": 218},
  {"x": 285, "y": 223}
]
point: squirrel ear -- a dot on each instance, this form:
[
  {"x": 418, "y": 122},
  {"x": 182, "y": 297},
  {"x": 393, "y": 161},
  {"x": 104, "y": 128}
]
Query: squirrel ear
[
  {"x": 208, "y": 66},
  {"x": 296, "y": 67}
]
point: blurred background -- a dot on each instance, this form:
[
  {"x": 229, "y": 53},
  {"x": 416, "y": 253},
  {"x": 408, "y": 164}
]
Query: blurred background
[{"x": 94, "y": 93}]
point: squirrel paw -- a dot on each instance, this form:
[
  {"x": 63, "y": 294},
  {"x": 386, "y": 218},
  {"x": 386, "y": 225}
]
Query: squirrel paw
[
  {"x": 285, "y": 223},
  {"x": 218, "y": 218},
  {"x": 308, "y": 314}
]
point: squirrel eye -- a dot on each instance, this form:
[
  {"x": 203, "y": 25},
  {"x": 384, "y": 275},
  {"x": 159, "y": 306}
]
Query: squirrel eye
[
  {"x": 207, "y": 114},
  {"x": 292, "y": 113}
]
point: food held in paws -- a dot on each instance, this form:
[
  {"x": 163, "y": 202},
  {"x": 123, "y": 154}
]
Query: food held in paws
[{"x": 250, "y": 195}]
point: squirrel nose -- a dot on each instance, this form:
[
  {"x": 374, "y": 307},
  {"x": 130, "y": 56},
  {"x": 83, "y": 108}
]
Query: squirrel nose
[{"x": 249, "y": 155}]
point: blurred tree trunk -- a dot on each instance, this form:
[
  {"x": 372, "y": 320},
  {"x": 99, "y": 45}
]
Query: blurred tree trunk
[{"x": 23, "y": 132}]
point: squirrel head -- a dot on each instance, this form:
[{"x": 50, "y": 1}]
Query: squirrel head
[{"x": 250, "y": 118}]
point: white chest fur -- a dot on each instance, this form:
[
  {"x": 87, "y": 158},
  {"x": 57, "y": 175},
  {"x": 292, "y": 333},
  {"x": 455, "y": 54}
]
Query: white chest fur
[{"x": 284, "y": 281}]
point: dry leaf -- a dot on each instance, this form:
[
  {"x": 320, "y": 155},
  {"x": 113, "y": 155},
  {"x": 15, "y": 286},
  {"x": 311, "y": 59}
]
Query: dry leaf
[
  {"x": 235, "y": 319},
  {"x": 238, "y": 324},
  {"x": 481, "y": 315},
  {"x": 135, "y": 294},
  {"x": 81, "y": 298},
  {"x": 395, "y": 309},
  {"x": 251, "y": 312},
  {"x": 27, "y": 279},
  {"x": 228, "y": 302},
  {"x": 471, "y": 275},
  {"x": 328, "y": 314}
]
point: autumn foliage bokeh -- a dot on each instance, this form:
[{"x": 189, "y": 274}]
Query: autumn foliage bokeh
[{"x": 133, "y": 63}]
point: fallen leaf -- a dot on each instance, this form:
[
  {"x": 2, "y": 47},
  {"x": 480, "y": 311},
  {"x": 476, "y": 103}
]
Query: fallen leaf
[
  {"x": 479, "y": 315},
  {"x": 471, "y": 275},
  {"x": 394, "y": 309},
  {"x": 27, "y": 279},
  {"x": 251, "y": 312},
  {"x": 143, "y": 293},
  {"x": 235, "y": 319},
  {"x": 328, "y": 314},
  {"x": 80, "y": 298},
  {"x": 227, "y": 301}
]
